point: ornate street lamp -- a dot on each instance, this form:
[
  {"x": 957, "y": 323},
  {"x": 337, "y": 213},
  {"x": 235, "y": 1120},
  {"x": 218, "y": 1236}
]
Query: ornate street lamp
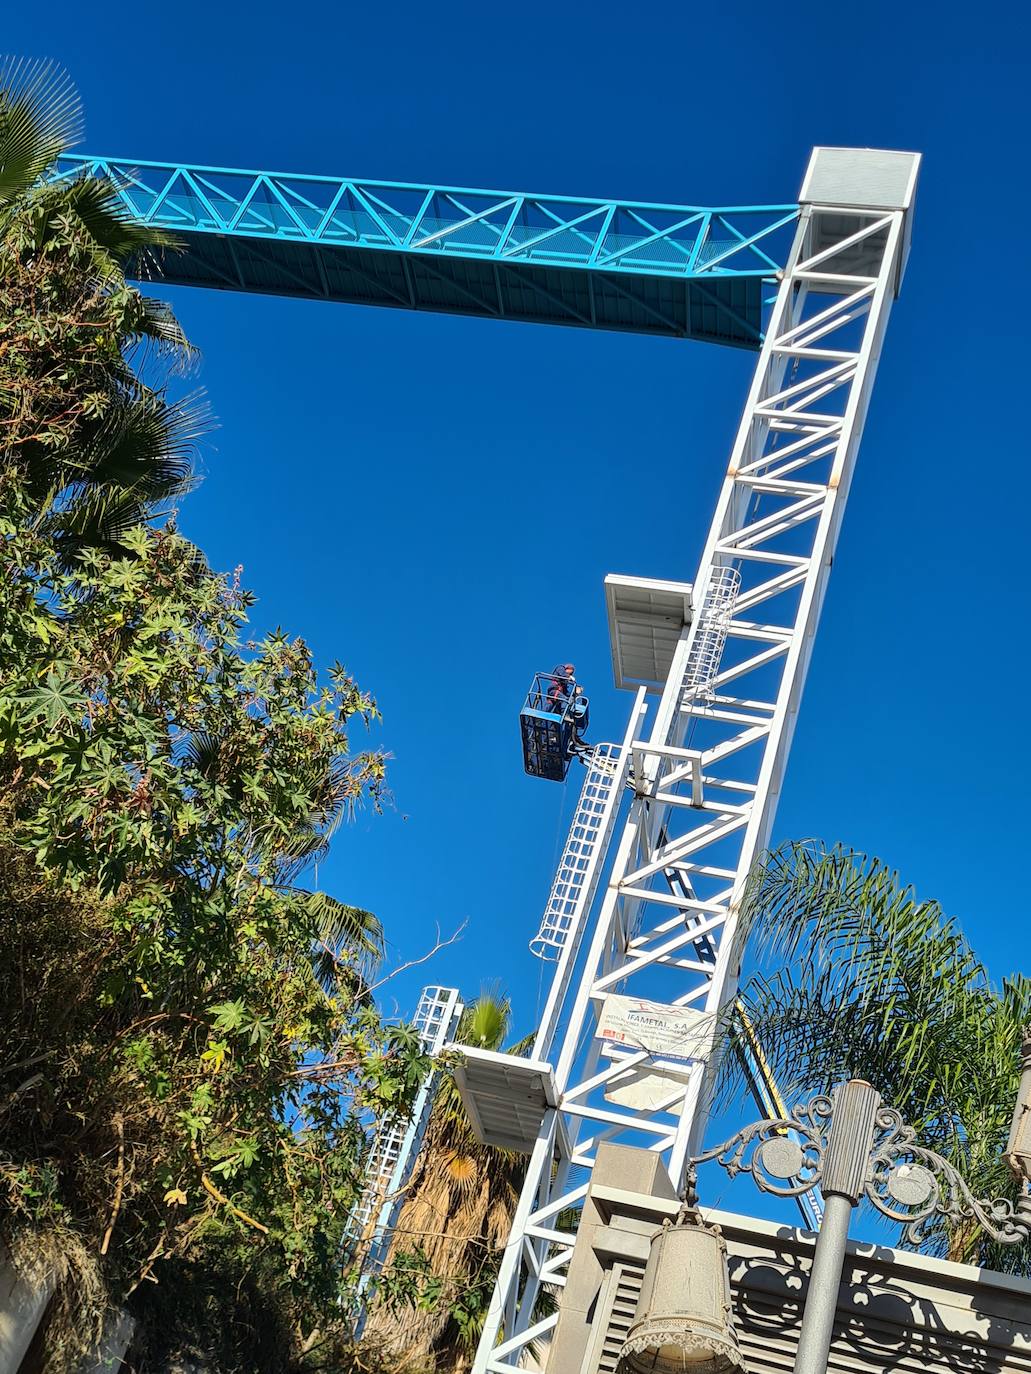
[
  {"x": 684, "y": 1322},
  {"x": 852, "y": 1146}
]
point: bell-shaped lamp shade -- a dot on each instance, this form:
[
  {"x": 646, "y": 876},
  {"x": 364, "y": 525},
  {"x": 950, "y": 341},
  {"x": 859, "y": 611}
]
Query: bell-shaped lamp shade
[
  {"x": 684, "y": 1323},
  {"x": 1018, "y": 1149}
]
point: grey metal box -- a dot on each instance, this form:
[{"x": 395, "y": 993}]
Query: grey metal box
[{"x": 874, "y": 178}]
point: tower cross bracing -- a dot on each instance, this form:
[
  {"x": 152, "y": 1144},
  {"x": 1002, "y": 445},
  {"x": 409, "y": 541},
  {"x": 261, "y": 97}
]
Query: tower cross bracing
[{"x": 706, "y": 776}]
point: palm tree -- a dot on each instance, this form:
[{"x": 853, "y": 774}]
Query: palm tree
[
  {"x": 350, "y": 939},
  {"x": 871, "y": 982},
  {"x": 97, "y": 451},
  {"x": 457, "y": 1210}
]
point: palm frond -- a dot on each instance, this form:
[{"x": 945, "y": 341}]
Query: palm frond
[
  {"x": 462, "y": 1170},
  {"x": 159, "y": 326},
  {"x": 485, "y": 1021},
  {"x": 344, "y": 927},
  {"x": 874, "y": 964},
  {"x": 203, "y": 751},
  {"x": 334, "y": 790},
  {"x": 337, "y": 975},
  {"x": 147, "y": 444},
  {"x": 96, "y": 519},
  {"x": 40, "y": 117},
  {"x": 123, "y": 474},
  {"x": 857, "y": 977},
  {"x": 523, "y": 1045},
  {"x": 94, "y": 206}
]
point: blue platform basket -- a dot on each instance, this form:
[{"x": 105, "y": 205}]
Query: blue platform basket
[{"x": 551, "y": 721}]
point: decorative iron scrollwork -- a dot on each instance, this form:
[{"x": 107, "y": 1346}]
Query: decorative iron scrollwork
[
  {"x": 907, "y": 1183},
  {"x": 912, "y": 1185},
  {"x": 783, "y": 1155}
]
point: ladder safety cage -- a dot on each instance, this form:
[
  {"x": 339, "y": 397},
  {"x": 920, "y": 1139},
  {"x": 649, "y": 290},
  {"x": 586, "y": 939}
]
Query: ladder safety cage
[
  {"x": 606, "y": 775},
  {"x": 714, "y": 622},
  {"x": 397, "y": 1141}
]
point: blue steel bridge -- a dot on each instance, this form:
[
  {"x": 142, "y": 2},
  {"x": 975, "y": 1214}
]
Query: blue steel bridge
[{"x": 676, "y": 270}]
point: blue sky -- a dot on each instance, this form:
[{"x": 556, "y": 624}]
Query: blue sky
[{"x": 435, "y": 501}]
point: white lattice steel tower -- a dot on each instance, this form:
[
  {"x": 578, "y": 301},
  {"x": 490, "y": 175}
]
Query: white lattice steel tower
[
  {"x": 725, "y": 661},
  {"x": 396, "y": 1144}
]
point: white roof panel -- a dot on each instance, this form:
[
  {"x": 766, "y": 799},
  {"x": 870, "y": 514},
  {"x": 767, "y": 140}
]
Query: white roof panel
[
  {"x": 504, "y": 1095},
  {"x": 646, "y": 618}
]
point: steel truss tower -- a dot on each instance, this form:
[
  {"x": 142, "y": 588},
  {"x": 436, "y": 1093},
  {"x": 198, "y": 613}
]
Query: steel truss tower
[
  {"x": 704, "y": 779},
  {"x": 397, "y": 1142}
]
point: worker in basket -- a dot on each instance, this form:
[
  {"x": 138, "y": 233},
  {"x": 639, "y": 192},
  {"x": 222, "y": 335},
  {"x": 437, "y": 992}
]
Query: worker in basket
[
  {"x": 566, "y": 691},
  {"x": 563, "y": 685}
]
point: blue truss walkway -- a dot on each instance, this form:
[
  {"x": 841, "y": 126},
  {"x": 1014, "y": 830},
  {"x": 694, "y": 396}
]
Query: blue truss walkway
[{"x": 677, "y": 270}]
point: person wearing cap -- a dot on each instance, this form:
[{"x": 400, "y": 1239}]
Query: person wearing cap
[{"x": 562, "y": 684}]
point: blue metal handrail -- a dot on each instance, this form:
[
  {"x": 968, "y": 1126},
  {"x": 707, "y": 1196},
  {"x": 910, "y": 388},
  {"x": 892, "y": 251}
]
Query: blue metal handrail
[{"x": 512, "y": 227}]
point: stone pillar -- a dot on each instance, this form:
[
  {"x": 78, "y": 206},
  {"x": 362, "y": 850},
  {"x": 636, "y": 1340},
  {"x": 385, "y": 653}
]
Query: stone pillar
[{"x": 623, "y": 1178}]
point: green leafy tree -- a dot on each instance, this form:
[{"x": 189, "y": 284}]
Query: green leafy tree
[
  {"x": 190, "y": 1059},
  {"x": 870, "y": 981},
  {"x": 212, "y": 1049}
]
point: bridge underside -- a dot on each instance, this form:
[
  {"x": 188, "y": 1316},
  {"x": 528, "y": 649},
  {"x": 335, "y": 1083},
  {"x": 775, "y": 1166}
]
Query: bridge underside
[
  {"x": 685, "y": 272},
  {"x": 725, "y": 310}
]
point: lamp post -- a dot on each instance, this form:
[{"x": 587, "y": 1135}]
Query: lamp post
[{"x": 852, "y": 1146}]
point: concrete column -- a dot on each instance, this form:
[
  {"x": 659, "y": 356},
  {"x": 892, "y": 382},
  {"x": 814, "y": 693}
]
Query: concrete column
[
  {"x": 637, "y": 1175},
  {"x": 24, "y": 1295}
]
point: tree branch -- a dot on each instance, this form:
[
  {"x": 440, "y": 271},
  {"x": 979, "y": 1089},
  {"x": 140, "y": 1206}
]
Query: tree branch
[
  {"x": 221, "y": 1198},
  {"x": 116, "y": 1206},
  {"x": 412, "y": 963}
]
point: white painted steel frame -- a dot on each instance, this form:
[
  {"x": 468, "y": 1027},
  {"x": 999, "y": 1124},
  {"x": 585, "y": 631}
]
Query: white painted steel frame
[
  {"x": 706, "y": 780},
  {"x": 395, "y": 1146}
]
